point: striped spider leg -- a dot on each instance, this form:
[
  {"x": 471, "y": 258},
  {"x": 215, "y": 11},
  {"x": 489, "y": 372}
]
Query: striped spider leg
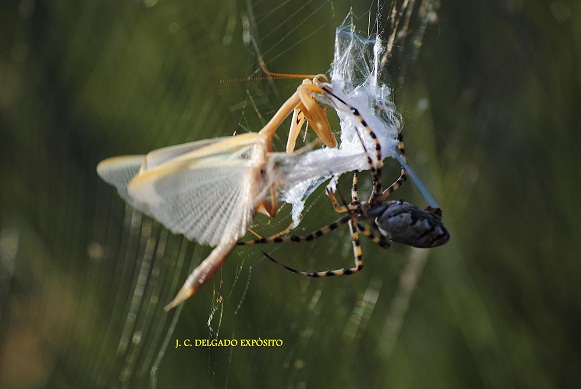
[{"x": 394, "y": 221}]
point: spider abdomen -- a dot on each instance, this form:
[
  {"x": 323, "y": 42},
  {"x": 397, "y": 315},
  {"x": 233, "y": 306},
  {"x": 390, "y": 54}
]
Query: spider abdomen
[{"x": 405, "y": 223}]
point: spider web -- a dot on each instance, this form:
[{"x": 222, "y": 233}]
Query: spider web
[{"x": 148, "y": 78}]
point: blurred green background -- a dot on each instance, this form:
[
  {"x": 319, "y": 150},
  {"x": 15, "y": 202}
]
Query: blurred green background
[{"x": 491, "y": 109}]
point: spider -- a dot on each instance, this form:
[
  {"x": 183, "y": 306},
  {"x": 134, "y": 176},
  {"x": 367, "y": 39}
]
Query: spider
[{"x": 389, "y": 221}]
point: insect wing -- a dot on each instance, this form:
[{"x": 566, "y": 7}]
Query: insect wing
[
  {"x": 159, "y": 156},
  {"x": 209, "y": 194},
  {"x": 119, "y": 171}
]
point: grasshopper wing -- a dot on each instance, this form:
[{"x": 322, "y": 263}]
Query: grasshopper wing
[{"x": 208, "y": 194}]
